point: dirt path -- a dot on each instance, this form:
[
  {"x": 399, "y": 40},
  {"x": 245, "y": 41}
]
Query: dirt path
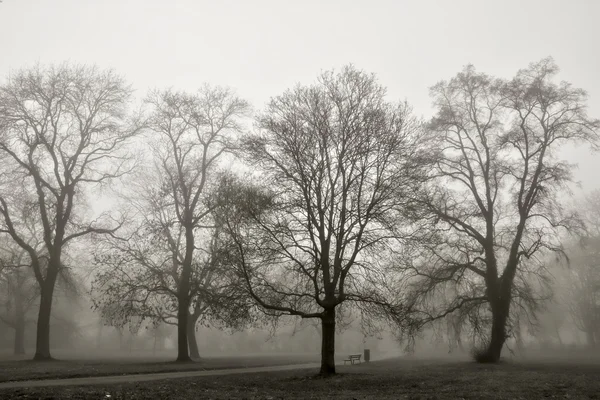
[{"x": 115, "y": 379}]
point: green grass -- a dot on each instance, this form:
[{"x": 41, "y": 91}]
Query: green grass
[{"x": 390, "y": 379}]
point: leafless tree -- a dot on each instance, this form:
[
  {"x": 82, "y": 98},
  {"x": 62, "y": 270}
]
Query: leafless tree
[
  {"x": 18, "y": 291},
  {"x": 584, "y": 302},
  {"x": 63, "y": 129},
  {"x": 178, "y": 260},
  {"x": 334, "y": 160},
  {"x": 493, "y": 198},
  {"x": 139, "y": 279},
  {"x": 579, "y": 280}
]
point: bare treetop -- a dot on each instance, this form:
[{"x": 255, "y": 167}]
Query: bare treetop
[
  {"x": 170, "y": 267},
  {"x": 335, "y": 155},
  {"x": 63, "y": 127},
  {"x": 66, "y": 121},
  {"x": 336, "y": 160},
  {"x": 194, "y": 130},
  {"x": 493, "y": 199}
]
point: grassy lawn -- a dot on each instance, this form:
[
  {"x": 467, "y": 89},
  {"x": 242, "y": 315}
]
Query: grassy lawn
[
  {"x": 91, "y": 365},
  {"x": 389, "y": 379}
]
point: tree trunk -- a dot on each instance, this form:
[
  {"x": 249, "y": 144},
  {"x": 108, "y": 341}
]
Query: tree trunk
[
  {"x": 42, "y": 344},
  {"x": 328, "y": 343},
  {"x": 19, "y": 335},
  {"x": 183, "y": 295},
  {"x": 19, "y": 317},
  {"x": 182, "y": 329},
  {"x": 591, "y": 341},
  {"x": 99, "y": 335},
  {"x": 192, "y": 342},
  {"x": 120, "y": 333},
  {"x": 560, "y": 342},
  {"x": 461, "y": 348},
  {"x": 154, "y": 346},
  {"x": 499, "y": 318}
]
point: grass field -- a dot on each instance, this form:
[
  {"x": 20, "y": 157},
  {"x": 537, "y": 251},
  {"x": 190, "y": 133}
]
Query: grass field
[
  {"x": 19, "y": 370},
  {"x": 389, "y": 379}
]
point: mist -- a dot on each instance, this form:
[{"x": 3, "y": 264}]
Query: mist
[{"x": 380, "y": 194}]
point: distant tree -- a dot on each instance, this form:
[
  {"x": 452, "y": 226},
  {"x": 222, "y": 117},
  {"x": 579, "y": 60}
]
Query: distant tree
[
  {"x": 333, "y": 160},
  {"x": 18, "y": 291},
  {"x": 63, "y": 129},
  {"x": 584, "y": 304},
  {"x": 159, "y": 334},
  {"x": 493, "y": 199},
  {"x": 170, "y": 267},
  {"x": 579, "y": 280}
]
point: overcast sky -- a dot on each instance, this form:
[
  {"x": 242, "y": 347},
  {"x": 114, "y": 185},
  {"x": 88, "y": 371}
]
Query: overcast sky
[{"x": 260, "y": 48}]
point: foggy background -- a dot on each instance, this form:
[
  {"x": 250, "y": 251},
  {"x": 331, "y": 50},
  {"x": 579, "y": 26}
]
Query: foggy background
[{"x": 261, "y": 48}]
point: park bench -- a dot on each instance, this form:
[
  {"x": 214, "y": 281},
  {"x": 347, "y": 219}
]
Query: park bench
[{"x": 352, "y": 358}]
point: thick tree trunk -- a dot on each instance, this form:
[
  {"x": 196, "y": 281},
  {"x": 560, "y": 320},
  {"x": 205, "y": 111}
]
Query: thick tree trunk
[
  {"x": 42, "y": 344},
  {"x": 328, "y": 343},
  {"x": 182, "y": 330},
  {"x": 499, "y": 317},
  {"x": 192, "y": 342},
  {"x": 183, "y": 296}
]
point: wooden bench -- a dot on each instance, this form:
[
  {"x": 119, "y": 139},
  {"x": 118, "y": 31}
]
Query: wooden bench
[{"x": 352, "y": 358}]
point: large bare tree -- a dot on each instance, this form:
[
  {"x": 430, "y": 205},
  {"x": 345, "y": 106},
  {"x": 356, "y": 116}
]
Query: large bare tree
[
  {"x": 493, "y": 200},
  {"x": 191, "y": 134},
  {"x": 63, "y": 130},
  {"x": 334, "y": 160}
]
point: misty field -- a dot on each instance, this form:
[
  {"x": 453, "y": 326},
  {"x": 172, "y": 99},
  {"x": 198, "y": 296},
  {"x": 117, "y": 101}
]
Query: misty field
[
  {"x": 400, "y": 378},
  {"x": 73, "y": 365}
]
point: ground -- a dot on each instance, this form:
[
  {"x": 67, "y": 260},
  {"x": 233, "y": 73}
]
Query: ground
[
  {"x": 400, "y": 378},
  {"x": 72, "y": 365}
]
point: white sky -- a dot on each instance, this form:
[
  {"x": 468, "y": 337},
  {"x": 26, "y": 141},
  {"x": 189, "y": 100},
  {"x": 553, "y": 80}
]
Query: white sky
[{"x": 260, "y": 48}]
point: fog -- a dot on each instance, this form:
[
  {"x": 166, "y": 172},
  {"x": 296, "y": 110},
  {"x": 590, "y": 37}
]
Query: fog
[{"x": 192, "y": 180}]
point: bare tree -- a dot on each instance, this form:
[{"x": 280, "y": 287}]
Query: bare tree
[
  {"x": 191, "y": 135},
  {"x": 579, "y": 281},
  {"x": 493, "y": 199},
  {"x": 335, "y": 159},
  {"x": 139, "y": 279},
  {"x": 584, "y": 300},
  {"x": 18, "y": 291},
  {"x": 63, "y": 129}
]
